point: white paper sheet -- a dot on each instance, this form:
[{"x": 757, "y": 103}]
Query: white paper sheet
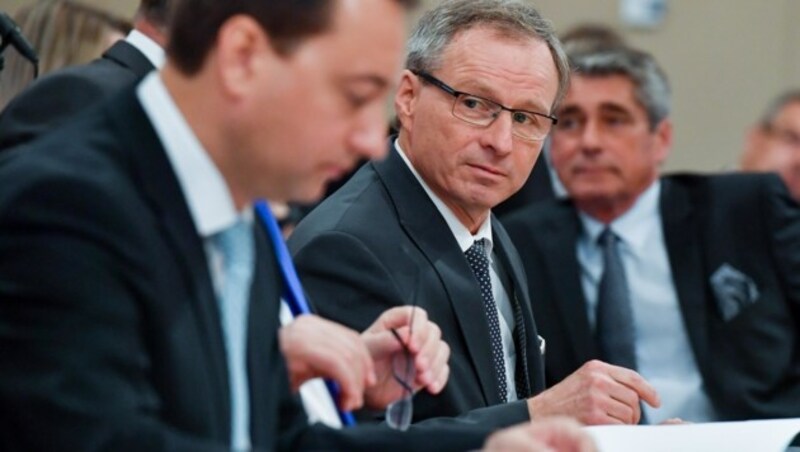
[{"x": 749, "y": 436}]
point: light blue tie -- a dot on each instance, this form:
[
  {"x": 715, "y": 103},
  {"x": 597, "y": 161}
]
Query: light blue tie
[{"x": 238, "y": 256}]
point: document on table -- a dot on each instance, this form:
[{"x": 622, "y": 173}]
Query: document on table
[{"x": 747, "y": 436}]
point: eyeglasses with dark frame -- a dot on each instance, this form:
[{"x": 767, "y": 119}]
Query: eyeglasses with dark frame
[{"x": 479, "y": 111}]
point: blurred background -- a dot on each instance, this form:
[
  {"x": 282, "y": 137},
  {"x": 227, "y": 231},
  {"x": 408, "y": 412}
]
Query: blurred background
[{"x": 725, "y": 58}]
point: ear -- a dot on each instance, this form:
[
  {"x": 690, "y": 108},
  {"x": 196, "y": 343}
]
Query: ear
[
  {"x": 405, "y": 101},
  {"x": 244, "y": 53},
  {"x": 663, "y": 141}
]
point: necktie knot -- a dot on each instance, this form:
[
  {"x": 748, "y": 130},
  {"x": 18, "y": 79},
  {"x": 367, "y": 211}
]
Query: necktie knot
[
  {"x": 476, "y": 256},
  {"x": 236, "y": 245},
  {"x": 607, "y": 238}
]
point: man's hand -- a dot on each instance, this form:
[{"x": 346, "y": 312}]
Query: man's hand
[
  {"x": 315, "y": 347},
  {"x": 596, "y": 394},
  {"x": 547, "y": 435},
  {"x": 429, "y": 353}
]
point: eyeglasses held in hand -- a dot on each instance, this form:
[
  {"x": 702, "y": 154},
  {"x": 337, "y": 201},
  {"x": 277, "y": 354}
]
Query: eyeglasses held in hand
[{"x": 398, "y": 413}]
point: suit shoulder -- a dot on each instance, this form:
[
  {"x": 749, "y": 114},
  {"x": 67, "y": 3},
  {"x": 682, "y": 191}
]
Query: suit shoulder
[
  {"x": 75, "y": 169},
  {"x": 727, "y": 185},
  {"x": 57, "y": 97},
  {"x": 359, "y": 205},
  {"x": 536, "y": 215}
]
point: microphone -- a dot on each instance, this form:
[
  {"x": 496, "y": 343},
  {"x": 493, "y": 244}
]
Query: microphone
[{"x": 11, "y": 34}]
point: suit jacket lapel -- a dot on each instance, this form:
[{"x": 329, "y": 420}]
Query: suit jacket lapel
[
  {"x": 558, "y": 244},
  {"x": 533, "y": 365},
  {"x": 144, "y": 152},
  {"x": 262, "y": 326},
  {"x": 126, "y": 55},
  {"x": 683, "y": 242},
  {"x": 430, "y": 233}
]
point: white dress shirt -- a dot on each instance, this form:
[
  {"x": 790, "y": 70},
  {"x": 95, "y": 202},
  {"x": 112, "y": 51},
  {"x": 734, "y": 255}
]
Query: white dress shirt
[
  {"x": 210, "y": 203},
  {"x": 465, "y": 240},
  {"x": 663, "y": 352},
  {"x": 151, "y": 50}
]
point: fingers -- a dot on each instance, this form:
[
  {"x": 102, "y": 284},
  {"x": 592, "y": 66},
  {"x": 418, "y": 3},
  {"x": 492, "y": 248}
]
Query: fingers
[
  {"x": 561, "y": 433},
  {"x": 315, "y": 347},
  {"x": 597, "y": 393},
  {"x": 434, "y": 378},
  {"x": 399, "y": 317},
  {"x": 427, "y": 359},
  {"x": 644, "y": 390}
]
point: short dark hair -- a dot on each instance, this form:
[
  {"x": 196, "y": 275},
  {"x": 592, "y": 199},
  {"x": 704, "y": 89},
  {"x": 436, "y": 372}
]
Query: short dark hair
[
  {"x": 195, "y": 23},
  {"x": 155, "y": 11}
]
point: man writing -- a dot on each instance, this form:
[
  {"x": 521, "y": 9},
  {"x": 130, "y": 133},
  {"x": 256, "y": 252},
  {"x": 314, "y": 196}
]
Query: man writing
[{"x": 139, "y": 298}]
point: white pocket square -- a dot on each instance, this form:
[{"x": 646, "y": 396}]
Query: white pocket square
[{"x": 733, "y": 291}]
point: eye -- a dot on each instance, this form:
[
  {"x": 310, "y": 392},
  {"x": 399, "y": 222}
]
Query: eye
[
  {"x": 568, "y": 123},
  {"x": 474, "y": 103},
  {"x": 523, "y": 118},
  {"x": 471, "y": 103},
  {"x": 616, "y": 120},
  {"x": 356, "y": 101}
]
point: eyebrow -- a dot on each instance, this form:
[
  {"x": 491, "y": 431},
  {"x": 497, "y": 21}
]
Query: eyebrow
[
  {"x": 604, "y": 108},
  {"x": 570, "y": 110},
  {"x": 378, "y": 81},
  {"x": 614, "y": 108}
]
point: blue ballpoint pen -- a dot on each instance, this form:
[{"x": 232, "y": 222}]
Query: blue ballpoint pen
[{"x": 293, "y": 293}]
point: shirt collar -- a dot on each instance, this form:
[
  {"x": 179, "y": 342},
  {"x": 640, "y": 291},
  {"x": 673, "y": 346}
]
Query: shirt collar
[
  {"x": 151, "y": 50},
  {"x": 463, "y": 236},
  {"x": 209, "y": 199},
  {"x": 632, "y": 226}
]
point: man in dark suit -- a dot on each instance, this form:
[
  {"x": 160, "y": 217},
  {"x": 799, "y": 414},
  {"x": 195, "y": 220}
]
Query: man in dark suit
[
  {"x": 61, "y": 95},
  {"x": 700, "y": 272},
  {"x": 417, "y": 227},
  {"x": 139, "y": 302}
]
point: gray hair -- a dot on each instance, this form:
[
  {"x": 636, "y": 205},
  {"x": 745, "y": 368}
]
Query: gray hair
[
  {"x": 513, "y": 18},
  {"x": 651, "y": 87},
  {"x": 774, "y": 108}
]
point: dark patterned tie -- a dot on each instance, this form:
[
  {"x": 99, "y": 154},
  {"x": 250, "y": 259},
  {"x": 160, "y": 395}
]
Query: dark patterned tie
[
  {"x": 479, "y": 262},
  {"x": 615, "y": 328}
]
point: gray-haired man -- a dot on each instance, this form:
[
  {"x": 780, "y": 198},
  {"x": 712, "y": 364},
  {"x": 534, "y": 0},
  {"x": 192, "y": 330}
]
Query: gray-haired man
[
  {"x": 474, "y": 104},
  {"x": 691, "y": 280}
]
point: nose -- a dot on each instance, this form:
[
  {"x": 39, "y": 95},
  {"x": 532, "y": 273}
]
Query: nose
[
  {"x": 498, "y": 136},
  {"x": 591, "y": 137},
  {"x": 367, "y": 137}
]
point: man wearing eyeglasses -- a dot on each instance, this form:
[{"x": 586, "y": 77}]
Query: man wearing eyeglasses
[
  {"x": 774, "y": 143},
  {"x": 474, "y": 106},
  {"x": 692, "y": 280}
]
